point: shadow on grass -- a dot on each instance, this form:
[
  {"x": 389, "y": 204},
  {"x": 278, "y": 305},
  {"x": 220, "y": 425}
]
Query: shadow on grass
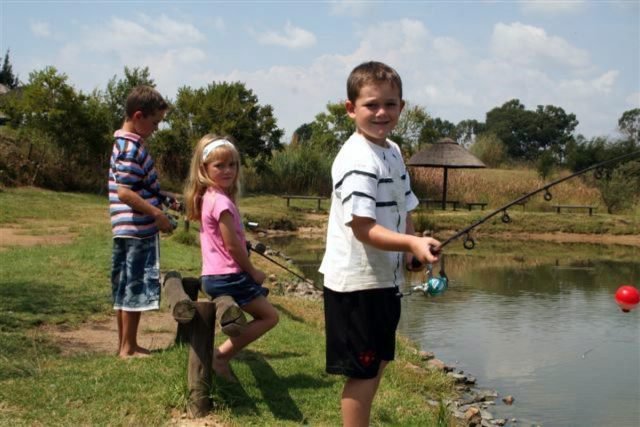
[
  {"x": 276, "y": 390},
  {"x": 289, "y": 314},
  {"x": 29, "y": 303}
]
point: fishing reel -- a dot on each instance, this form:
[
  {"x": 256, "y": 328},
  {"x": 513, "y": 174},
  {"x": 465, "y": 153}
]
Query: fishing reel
[
  {"x": 432, "y": 286},
  {"x": 173, "y": 204}
]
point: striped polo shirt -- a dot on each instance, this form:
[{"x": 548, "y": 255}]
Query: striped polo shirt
[
  {"x": 368, "y": 181},
  {"x": 132, "y": 167}
]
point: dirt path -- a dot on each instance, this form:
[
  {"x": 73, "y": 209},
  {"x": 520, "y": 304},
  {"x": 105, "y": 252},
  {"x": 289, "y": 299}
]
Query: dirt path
[
  {"x": 157, "y": 331},
  {"x": 16, "y": 236}
]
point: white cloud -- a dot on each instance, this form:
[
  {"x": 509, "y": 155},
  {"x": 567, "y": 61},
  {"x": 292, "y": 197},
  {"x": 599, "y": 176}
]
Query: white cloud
[
  {"x": 292, "y": 37},
  {"x": 449, "y": 49},
  {"x": 552, "y": 7},
  {"x": 439, "y": 73},
  {"x": 169, "y": 47},
  {"x": 40, "y": 29},
  {"x": 146, "y": 32},
  {"x": 528, "y": 45}
]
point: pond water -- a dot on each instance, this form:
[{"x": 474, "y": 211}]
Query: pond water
[{"x": 545, "y": 330}]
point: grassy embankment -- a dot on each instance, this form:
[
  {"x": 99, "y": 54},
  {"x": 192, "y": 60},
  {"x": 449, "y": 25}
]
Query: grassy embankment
[{"x": 66, "y": 284}]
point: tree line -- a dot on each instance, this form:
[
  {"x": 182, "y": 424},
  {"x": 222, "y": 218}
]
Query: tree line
[{"x": 62, "y": 137}]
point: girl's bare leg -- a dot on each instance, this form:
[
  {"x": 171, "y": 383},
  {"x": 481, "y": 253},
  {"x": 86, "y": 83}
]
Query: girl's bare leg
[{"x": 265, "y": 317}]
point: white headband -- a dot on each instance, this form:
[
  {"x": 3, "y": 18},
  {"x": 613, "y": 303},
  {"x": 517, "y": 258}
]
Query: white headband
[{"x": 212, "y": 146}]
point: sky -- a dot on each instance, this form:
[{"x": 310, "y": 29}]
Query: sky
[{"x": 457, "y": 59}]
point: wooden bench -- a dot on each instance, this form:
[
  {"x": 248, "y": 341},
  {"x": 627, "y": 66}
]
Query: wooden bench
[
  {"x": 318, "y": 198},
  {"x": 427, "y": 202},
  {"x": 470, "y": 205},
  {"x": 590, "y": 208}
]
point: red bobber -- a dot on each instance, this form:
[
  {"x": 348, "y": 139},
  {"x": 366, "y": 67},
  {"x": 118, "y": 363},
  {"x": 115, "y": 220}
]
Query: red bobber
[{"x": 627, "y": 297}]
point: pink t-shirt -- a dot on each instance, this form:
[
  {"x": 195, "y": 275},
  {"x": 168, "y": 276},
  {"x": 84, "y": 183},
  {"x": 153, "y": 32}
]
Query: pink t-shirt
[{"x": 216, "y": 259}]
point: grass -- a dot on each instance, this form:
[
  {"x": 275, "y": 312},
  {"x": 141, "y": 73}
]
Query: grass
[
  {"x": 282, "y": 375},
  {"x": 528, "y": 222},
  {"x": 269, "y": 211}
]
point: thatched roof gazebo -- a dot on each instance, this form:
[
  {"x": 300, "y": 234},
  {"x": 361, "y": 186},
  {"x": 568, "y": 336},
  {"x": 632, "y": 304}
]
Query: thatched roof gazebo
[{"x": 447, "y": 154}]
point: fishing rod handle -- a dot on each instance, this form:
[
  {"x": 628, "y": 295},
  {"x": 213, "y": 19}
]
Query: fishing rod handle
[{"x": 415, "y": 263}]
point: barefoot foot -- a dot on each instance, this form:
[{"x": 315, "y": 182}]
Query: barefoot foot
[
  {"x": 222, "y": 369},
  {"x": 136, "y": 352}
]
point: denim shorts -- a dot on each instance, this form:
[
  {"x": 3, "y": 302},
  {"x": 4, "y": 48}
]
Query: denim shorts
[
  {"x": 240, "y": 286},
  {"x": 135, "y": 274}
]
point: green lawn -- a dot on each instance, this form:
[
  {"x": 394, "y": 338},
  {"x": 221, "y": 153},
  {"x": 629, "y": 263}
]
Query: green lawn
[{"x": 282, "y": 379}]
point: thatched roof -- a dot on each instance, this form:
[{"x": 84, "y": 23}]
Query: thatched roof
[{"x": 445, "y": 153}]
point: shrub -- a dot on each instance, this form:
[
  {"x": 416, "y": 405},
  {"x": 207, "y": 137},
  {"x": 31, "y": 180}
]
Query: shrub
[
  {"x": 490, "y": 149},
  {"x": 299, "y": 169}
]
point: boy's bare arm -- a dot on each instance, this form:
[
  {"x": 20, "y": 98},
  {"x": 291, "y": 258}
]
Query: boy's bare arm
[
  {"x": 367, "y": 231},
  {"x": 133, "y": 199}
]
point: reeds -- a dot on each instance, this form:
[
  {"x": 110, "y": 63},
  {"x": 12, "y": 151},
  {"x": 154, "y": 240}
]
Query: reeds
[{"x": 498, "y": 187}]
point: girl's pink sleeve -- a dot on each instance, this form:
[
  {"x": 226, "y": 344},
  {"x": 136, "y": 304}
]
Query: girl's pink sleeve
[{"x": 221, "y": 204}]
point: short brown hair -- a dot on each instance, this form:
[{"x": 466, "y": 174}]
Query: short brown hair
[
  {"x": 146, "y": 99},
  {"x": 371, "y": 72}
]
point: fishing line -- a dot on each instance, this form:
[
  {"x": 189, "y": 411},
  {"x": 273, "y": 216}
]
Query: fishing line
[{"x": 260, "y": 249}]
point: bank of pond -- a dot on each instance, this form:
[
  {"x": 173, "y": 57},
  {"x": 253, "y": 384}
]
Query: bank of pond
[{"x": 539, "y": 326}]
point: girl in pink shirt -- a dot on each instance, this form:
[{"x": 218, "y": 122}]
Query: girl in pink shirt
[{"x": 210, "y": 197}]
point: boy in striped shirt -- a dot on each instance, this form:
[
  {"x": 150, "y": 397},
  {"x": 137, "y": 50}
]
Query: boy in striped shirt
[{"x": 136, "y": 218}]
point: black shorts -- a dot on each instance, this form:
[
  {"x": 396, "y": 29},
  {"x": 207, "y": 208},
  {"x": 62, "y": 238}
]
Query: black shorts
[{"x": 360, "y": 330}]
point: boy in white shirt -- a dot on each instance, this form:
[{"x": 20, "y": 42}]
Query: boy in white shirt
[{"x": 370, "y": 238}]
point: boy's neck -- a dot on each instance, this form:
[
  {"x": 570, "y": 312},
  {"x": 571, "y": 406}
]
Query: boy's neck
[
  {"x": 382, "y": 144},
  {"x": 128, "y": 126}
]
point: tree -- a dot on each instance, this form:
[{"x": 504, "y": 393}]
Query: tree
[
  {"x": 225, "y": 109},
  {"x": 629, "y": 125},
  {"x": 619, "y": 187},
  {"x": 329, "y": 130},
  {"x": 466, "y": 130},
  {"x": 408, "y": 131},
  {"x": 553, "y": 131},
  {"x": 435, "y": 129},
  {"x": 6, "y": 74},
  {"x": 118, "y": 90},
  {"x": 527, "y": 133},
  {"x": 302, "y": 134},
  {"x": 488, "y": 148},
  {"x": 68, "y": 131}
]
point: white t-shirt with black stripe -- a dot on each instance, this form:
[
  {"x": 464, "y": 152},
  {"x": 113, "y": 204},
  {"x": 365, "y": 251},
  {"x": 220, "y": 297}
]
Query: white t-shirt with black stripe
[{"x": 368, "y": 181}]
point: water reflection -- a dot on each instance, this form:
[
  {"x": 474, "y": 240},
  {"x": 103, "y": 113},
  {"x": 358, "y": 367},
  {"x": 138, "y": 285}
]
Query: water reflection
[{"x": 543, "y": 328}]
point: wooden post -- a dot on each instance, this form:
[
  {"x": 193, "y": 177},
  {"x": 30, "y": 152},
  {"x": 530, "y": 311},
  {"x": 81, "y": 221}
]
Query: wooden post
[
  {"x": 181, "y": 305},
  {"x": 191, "y": 287},
  {"x": 199, "y": 374}
]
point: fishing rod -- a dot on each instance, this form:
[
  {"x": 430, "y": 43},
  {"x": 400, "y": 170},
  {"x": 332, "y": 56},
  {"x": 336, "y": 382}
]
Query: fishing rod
[
  {"x": 437, "y": 285},
  {"x": 469, "y": 242},
  {"x": 260, "y": 249}
]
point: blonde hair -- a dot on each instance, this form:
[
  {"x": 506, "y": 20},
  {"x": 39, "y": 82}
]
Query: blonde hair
[{"x": 199, "y": 180}]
